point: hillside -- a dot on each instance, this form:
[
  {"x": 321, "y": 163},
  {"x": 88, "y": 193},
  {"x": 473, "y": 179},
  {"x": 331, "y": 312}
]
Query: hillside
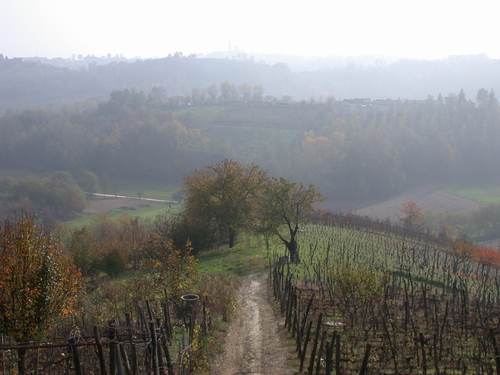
[
  {"x": 426, "y": 198},
  {"x": 391, "y": 302},
  {"x": 351, "y": 150},
  {"x": 34, "y": 83}
]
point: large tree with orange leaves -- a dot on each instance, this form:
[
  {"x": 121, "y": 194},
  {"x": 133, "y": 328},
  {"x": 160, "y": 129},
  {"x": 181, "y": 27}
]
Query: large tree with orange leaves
[
  {"x": 411, "y": 216},
  {"x": 38, "y": 282}
]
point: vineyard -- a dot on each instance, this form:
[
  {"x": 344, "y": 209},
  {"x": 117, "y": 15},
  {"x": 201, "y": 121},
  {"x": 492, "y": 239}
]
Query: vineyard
[
  {"x": 157, "y": 339},
  {"x": 376, "y": 300},
  {"x": 366, "y": 297}
]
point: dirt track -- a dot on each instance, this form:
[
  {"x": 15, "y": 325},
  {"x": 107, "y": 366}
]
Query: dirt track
[{"x": 253, "y": 345}]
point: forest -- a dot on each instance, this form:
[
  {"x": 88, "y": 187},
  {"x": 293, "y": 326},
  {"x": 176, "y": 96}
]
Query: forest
[{"x": 350, "y": 149}]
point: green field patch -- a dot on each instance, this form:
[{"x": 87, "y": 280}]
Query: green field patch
[
  {"x": 254, "y": 143},
  {"x": 484, "y": 193},
  {"x": 143, "y": 211},
  {"x": 249, "y": 255},
  {"x": 145, "y": 189}
]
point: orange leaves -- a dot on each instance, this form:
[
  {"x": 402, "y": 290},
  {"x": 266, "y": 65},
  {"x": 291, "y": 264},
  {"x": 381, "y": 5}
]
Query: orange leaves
[
  {"x": 39, "y": 282},
  {"x": 487, "y": 256},
  {"x": 411, "y": 216}
]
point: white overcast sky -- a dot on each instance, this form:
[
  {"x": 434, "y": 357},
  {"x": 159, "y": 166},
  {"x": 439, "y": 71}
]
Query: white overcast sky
[{"x": 425, "y": 29}]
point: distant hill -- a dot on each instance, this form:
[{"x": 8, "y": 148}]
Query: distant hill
[{"x": 40, "y": 82}]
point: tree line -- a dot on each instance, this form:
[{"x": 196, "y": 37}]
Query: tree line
[
  {"x": 349, "y": 149},
  {"x": 374, "y": 150},
  {"x": 125, "y": 136},
  {"x": 29, "y": 83},
  {"x": 482, "y": 224}
]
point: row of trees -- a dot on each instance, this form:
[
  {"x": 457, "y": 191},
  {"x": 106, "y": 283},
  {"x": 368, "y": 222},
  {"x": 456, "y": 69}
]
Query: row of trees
[
  {"x": 28, "y": 84},
  {"x": 126, "y": 136},
  {"x": 375, "y": 149},
  {"x": 158, "y": 97},
  {"x": 227, "y": 92},
  {"x": 31, "y": 84}
]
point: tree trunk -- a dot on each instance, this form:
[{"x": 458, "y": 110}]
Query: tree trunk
[
  {"x": 232, "y": 238},
  {"x": 293, "y": 250},
  {"x": 21, "y": 361}
]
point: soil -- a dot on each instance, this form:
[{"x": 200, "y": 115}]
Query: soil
[
  {"x": 426, "y": 198},
  {"x": 254, "y": 344}
]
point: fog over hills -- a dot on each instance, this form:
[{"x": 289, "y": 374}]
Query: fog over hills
[{"x": 33, "y": 82}]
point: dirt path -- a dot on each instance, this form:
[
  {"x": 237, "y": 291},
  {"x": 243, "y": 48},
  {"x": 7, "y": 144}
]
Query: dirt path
[{"x": 253, "y": 344}]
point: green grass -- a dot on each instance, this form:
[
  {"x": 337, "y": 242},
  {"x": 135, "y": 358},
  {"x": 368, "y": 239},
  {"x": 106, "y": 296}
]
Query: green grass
[
  {"x": 257, "y": 132},
  {"x": 484, "y": 193},
  {"x": 247, "y": 256},
  {"x": 143, "y": 211},
  {"x": 147, "y": 189},
  {"x": 254, "y": 143}
]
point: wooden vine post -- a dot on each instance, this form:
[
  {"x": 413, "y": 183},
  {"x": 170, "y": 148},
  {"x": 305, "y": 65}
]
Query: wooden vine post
[{"x": 100, "y": 351}]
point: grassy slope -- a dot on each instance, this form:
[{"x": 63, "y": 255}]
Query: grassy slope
[
  {"x": 484, "y": 193},
  {"x": 143, "y": 211},
  {"x": 254, "y": 130},
  {"x": 249, "y": 255},
  {"x": 148, "y": 189}
]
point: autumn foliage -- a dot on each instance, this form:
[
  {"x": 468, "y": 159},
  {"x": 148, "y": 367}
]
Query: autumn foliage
[
  {"x": 411, "y": 216},
  {"x": 487, "y": 256},
  {"x": 174, "y": 269},
  {"x": 38, "y": 283}
]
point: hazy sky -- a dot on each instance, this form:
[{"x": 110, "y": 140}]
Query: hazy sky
[{"x": 425, "y": 29}]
